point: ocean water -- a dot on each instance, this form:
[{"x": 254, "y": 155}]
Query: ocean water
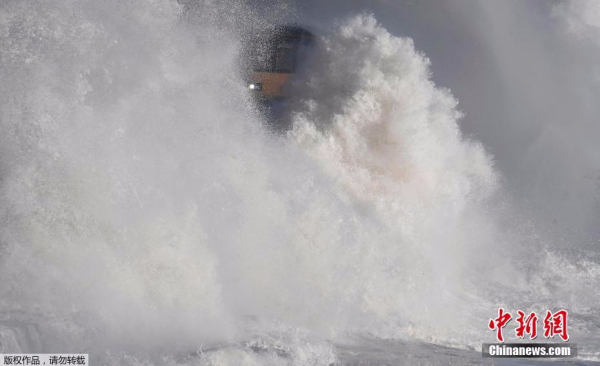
[{"x": 150, "y": 216}]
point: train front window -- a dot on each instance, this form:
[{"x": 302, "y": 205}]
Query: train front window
[
  {"x": 278, "y": 51},
  {"x": 285, "y": 58},
  {"x": 262, "y": 59}
]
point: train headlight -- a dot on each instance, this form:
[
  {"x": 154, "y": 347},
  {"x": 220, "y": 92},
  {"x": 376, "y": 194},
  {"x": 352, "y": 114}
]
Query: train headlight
[{"x": 255, "y": 86}]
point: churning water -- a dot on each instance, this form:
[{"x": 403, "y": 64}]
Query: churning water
[{"x": 148, "y": 216}]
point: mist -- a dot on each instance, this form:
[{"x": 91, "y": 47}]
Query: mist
[
  {"x": 526, "y": 77},
  {"x": 441, "y": 159}
]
